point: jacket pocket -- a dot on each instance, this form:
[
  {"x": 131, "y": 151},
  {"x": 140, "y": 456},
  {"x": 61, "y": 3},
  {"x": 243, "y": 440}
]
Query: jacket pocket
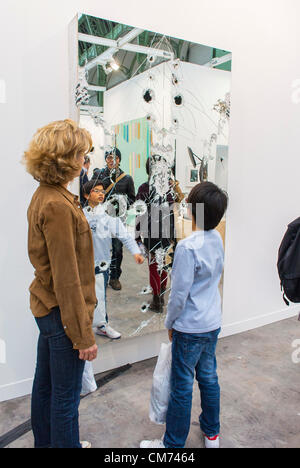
[
  {"x": 83, "y": 226},
  {"x": 84, "y": 243}
]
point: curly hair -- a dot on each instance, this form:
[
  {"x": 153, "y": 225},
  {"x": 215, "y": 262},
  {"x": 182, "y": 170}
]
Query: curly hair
[{"x": 52, "y": 156}]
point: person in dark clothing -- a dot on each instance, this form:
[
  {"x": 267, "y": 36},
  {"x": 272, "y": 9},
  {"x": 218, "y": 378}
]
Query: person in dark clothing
[
  {"x": 115, "y": 182},
  {"x": 84, "y": 179},
  {"x": 160, "y": 233}
]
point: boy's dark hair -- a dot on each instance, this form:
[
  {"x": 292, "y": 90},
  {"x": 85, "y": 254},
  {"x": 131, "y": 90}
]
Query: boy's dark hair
[
  {"x": 215, "y": 204},
  {"x": 89, "y": 186}
]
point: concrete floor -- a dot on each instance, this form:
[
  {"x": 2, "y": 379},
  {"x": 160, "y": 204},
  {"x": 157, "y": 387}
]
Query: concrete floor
[{"x": 260, "y": 388}]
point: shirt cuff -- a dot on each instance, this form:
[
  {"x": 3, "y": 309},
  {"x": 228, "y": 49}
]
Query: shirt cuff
[
  {"x": 168, "y": 324},
  {"x": 135, "y": 250},
  {"x": 83, "y": 342}
]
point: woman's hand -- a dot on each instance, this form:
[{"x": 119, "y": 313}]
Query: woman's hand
[
  {"x": 88, "y": 354},
  {"x": 170, "y": 332},
  {"x": 139, "y": 259}
]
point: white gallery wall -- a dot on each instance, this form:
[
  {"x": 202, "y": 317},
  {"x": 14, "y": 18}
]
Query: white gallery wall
[
  {"x": 201, "y": 88},
  {"x": 97, "y": 133},
  {"x": 125, "y": 102},
  {"x": 263, "y": 167}
]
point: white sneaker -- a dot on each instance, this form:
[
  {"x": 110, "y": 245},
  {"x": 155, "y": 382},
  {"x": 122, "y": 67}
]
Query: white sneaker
[
  {"x": 109, "y": 332},
  {"x": 86, "y": 444},
  {"x": 212, "y": 442},
  {"x": 158, "y": 443}
]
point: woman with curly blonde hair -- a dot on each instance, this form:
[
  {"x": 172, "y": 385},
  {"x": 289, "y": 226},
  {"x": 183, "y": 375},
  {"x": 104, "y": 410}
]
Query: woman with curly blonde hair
[{"x": 62, "y": 295}]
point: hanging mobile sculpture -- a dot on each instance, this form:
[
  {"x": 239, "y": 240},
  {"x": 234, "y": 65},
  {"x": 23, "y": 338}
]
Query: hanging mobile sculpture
[
  {"x": 99, "y": 121},
  {"x": 81, "y": 93},
  {"x": 223, "y": 108}
]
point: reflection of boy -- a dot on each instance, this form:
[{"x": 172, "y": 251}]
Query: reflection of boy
[
  {"x": 194, "y": 321},
  {"x": 104, "y": 228},
  {"x": 116, "y": 182}
]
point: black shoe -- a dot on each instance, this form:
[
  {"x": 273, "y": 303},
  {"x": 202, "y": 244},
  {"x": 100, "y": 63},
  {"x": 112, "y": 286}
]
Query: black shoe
[
  {"x": 156, "y": 305},
  {"x": 115, "y": 284},
  {"x": 162, "y": 296}
]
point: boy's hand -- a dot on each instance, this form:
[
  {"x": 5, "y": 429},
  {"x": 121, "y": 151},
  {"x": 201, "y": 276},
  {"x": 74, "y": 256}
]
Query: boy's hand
[
  {"x": 170, "y": 332},
  {"x": 139, "y": 259}
]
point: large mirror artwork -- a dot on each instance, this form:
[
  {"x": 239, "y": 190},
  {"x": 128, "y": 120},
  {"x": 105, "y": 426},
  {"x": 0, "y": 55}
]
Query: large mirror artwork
[{"x": 158, "y": 110}]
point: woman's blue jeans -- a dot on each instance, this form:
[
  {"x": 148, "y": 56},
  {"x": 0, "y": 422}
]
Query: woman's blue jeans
[
  {"x": 193, "y": 354},
  {"x": 56, "y": 388}
]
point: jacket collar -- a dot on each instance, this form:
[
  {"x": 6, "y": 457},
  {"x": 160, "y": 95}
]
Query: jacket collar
[{"x": 59, "y": 188}]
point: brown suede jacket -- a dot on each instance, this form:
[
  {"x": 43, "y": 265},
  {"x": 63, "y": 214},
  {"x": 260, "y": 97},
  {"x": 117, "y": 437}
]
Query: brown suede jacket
[{"x": 60, "y": 248}]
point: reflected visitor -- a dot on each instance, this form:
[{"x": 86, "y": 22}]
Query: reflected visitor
[
  {"x": 104, "y": 229},
  {"x": 160, "y": 234},
  {"x": 62, "y": 295},
  {"x": 84, "y": 177},
  {"x": 116, "y": 182}
]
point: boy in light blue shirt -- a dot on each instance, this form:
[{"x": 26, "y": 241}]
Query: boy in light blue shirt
[
  {"x": 104, "y": 228},
  {"x": 194, "y": 321}
]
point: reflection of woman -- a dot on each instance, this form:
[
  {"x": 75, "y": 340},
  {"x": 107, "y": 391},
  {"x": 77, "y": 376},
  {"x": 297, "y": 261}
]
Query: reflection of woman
[
  {"x": 160, "y": 232},
  {"x": 62, "y": 295}
]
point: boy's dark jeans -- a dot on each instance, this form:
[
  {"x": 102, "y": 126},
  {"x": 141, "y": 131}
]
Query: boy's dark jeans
[
  {"x": 193, "y": 353},
  {"x": 116, "y": 259},
  {"x": 56, "y": 387}
]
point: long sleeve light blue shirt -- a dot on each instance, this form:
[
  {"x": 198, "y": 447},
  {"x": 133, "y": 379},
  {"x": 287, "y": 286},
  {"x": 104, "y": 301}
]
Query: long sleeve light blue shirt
[
  {"x": 195, "y": 304},
  {"x": 104, "y": 228}
]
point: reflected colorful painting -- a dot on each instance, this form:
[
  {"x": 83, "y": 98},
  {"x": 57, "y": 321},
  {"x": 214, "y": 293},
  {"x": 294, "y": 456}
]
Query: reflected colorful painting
[{"x": 133, "y": 139}]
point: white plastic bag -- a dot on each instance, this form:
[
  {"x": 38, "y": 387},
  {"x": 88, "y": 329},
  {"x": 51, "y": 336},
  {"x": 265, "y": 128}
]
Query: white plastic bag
[
  {"x": 161, "y": 386},
  {"x": 88, "y": 380}
]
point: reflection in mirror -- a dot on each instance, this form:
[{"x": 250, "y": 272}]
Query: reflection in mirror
[{"x": 158, "y": 110}]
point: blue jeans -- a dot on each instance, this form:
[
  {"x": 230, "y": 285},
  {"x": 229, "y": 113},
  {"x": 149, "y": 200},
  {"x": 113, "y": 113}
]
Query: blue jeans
[
  {"x": 56, "y": 388},
  {"x": 116, "y": 259},
  {"x": 192, "y": 353}
]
